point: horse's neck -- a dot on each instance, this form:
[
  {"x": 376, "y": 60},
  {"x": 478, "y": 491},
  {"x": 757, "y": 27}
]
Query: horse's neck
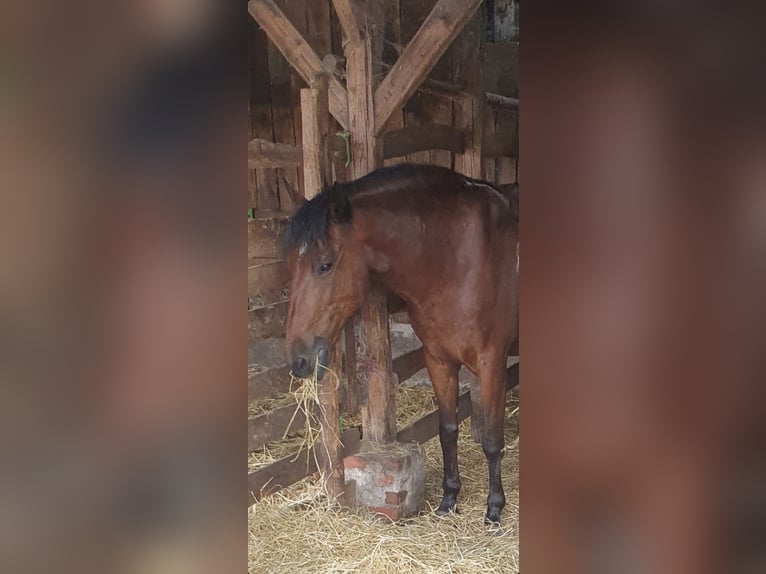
[{"x": 394, "y": 251}]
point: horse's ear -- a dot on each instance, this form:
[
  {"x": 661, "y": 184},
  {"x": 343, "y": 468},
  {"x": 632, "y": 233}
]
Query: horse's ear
[
  {"x": 340, "y": 206},
  {"x": 295, "y": 197}
]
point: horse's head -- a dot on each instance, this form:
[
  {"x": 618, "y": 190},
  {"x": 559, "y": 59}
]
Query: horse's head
[{"x": 328, "y": 278}]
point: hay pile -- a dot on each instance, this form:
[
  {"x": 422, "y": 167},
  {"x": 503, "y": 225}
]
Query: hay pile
[{"x": 299, "y": 530}]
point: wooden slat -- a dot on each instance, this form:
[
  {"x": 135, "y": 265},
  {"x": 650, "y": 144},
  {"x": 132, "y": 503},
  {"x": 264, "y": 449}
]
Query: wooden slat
[
  {"x": 413, "y": 139},
  {"x": 501, "y": 101},
  {"x": 430, "y": 42},
  {"x": 317, "y": 171},
  {"x": 273, "y": 426},
  {"x": 469, "y": 110},
  {"x": 501, "y": 144},
  {"x": 408, "y": 364},
  {"x": 264, "y": 233},
  {"x": 261, "y": 117},
  {"x": 266, "y": 277},
  {"x": 292, "y": 468},
  {"x": 268, "y": 384},
  {"x": 267, "y": 322},
  {"x": 427, "y": 426},
  {"x": 262, "y": 153},
  {"x": 297, "y": 51}
]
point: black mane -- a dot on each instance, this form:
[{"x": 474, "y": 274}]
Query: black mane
[{"x": 310, "y": 224}]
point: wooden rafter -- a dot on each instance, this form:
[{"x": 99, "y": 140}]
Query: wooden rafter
[
  {"x": 263, "y": 153},
  {"x": 298, "y": 53},
  {"x": 440, "y": 27},
  {"x": 350, "y": 16}
]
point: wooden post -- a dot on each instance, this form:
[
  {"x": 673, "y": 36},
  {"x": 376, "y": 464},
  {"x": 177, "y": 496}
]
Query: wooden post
[
  {"x": 317, "y": 171},
  {"x": 317, "y": 174},
  {"x": 378, "y": 389},
  {"x": 470, "y": 119}
]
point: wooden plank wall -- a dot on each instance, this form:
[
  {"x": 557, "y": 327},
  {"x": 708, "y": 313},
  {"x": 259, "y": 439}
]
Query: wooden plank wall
[{"x": 274, "y": 105}]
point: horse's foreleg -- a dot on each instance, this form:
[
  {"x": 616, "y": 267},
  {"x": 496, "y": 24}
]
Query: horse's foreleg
[
  {"x": 492, "y": 402},
  {"x": 444, "y": 378}
]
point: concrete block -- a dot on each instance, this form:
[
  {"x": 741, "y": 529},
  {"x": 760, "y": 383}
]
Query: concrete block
[{"x": 387, "y": 480}]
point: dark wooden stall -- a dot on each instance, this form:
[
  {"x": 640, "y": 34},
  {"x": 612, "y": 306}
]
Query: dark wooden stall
[{"x": 339, "y": 88}]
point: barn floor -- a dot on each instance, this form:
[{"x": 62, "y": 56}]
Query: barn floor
[{"x": 298, "y": 530}]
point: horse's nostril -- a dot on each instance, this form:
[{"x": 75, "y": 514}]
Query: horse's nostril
[{"x": 301, "y": 367}]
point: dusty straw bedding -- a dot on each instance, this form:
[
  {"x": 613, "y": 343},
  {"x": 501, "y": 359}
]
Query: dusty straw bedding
[
  {"x": 411, "y": 404},
  {"x": 299, "y": 530}
]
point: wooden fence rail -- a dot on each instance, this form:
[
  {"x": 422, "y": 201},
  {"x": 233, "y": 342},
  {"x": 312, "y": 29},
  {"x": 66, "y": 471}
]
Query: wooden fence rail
[{"x": 297, "y": 466}]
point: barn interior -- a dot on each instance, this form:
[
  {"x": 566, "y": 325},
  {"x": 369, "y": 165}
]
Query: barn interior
[{"x": 337, "y": 89}]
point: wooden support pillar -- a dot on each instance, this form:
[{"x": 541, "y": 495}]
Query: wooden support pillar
[
  {"x": 317, "y": 173},
  {"x": 317, "y": 170},
  {"x": 470, "y": 119},
  {"x": 375, "y": 378}
]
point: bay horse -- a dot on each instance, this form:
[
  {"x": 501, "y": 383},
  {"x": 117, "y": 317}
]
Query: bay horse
[{"x": 444, "y": 243}]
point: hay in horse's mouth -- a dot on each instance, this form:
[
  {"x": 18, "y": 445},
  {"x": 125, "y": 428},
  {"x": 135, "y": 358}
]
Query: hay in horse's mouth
[{"x": 305, "y": 391}]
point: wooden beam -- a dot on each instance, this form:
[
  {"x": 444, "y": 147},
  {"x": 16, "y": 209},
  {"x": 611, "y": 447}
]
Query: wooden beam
[
  {"x": 438, "y": 88},
  {"x": 298, "y": 52},
  {"x": 359, "y": 76},
  {"x": 501, "y": 101},
  {"x": 440, "y": 27},
  {"x": 273, "y": 426},
  {"x": 376, "y": 385},
  {"x": 378, "y": 395},
  {"x": 317, "y": 170},
  {"x": 267, "y": 322},
  {"x": 268, "y": 384},
  {"x": 263, "y": 234},
  {"x": 427, "y": 426},
  {"x": 262, "y": 153},
  {"x": 266, "y": 276},
  {"x": 292, "y": 468},
  {"x": 413, "y": 139},
  {"x": 350, "y": 17},
  {"x": 408, "y": 364},
  {"x": 470, "y": 118}
]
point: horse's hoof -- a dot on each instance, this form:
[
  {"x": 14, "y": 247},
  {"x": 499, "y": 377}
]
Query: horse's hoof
[
  {"x": 492, "y": 518},
  {"x": 446, "y": 507}
]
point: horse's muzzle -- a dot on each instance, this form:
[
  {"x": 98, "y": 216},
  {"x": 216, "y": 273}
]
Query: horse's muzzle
[{"x": 305, "y": 360}]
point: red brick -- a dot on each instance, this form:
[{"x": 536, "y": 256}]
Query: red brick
[
  {"x": 354, "y": 462},
  {"x": 384, "y": 480},
  {"x": 392, "y": 513},
  {"x": 396, "y": 498}
]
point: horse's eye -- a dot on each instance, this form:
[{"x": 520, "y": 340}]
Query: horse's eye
[{"x": 324, "y": 268}]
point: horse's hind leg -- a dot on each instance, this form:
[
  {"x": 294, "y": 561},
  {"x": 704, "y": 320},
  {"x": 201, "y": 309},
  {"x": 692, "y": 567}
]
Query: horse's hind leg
[
  {"x": 492, "y": 406},
  {"x": 444, "y": 378}
]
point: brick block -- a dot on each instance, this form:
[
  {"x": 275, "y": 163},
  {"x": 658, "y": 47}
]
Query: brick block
[{"x": 387, "y": 480}]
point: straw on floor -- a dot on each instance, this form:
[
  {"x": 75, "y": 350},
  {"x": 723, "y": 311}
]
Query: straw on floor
[{"x": 299, "y": 530}]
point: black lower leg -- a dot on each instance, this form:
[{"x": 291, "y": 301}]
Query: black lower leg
[
  {"x": 493, "y": 450},
  {"x": 451, "y": 482}
]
